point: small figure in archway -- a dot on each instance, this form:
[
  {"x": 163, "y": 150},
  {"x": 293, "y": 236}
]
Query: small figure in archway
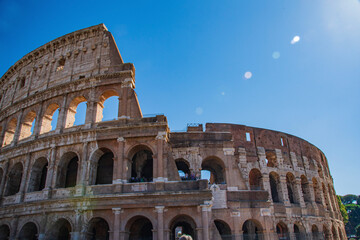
[{"x": 185, "y": 237}]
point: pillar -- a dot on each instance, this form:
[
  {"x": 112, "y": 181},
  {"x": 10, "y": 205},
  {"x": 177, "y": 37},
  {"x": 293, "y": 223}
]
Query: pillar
[
  {"x": 51, "y": 173},
  {"x": 3, "y": 179},
  {"x": 117, "y": 223},
  {"x": 24, "y": 177},
  {"x": 237, "y": 230},
  {"x": 81, "y": 177},
  {"x": 267, "y": 187},
  {"x": 283, "y": 191},
  {"x": 300, "y": 193},
  {"x": 160, "y": 222},
  {"x": 60, "y": 125},
  {"x": 76, "y": 234},
  {"x": 119, "y": 176},
  {"x": 229, "y": 153},
  {"x": 17, "y": 129},
  {"x": 205, "y": 209},
  {"x": 159, "y": 160}
]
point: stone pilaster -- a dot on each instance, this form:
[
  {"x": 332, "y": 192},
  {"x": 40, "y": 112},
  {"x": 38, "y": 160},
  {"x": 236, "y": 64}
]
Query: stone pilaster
[
  {"x": 284, "y": 192},
  {"x": 25, "y": 177},
  {"x": 299, "y": 193},
  {"x": 236, "y": 226},
  {"x": 205, "y": 210},
  {"x": 119, "y": 162},
  {"x": 3, "y": 178},
  {"x": 117, "y": 223},
  {"x": 158, "y": 172},
  {"x": 160, "y": 222},
  {"x": 60, "y": 125}
]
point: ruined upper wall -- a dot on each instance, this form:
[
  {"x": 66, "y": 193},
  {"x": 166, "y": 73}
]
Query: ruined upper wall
[{"x": 81, "y": 54}]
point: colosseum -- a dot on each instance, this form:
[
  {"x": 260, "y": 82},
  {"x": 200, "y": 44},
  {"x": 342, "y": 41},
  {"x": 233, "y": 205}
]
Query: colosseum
[{"x": 131, "y": 177}]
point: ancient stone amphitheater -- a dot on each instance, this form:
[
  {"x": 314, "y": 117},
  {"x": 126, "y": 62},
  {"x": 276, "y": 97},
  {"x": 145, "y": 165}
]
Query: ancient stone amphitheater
[{"x": 132, "y": 178}]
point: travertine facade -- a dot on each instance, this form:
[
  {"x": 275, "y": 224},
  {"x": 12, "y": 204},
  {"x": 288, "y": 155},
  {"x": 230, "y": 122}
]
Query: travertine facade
[{"x": 120, "y": 179}]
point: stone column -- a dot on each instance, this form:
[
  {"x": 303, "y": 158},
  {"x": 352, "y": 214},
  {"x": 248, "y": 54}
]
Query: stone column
[
  {"x": 76, "y": 234},
  {"x": 51, "y": 173},
  {"x": 159, "y": 166},
  {"x": 38, "y": 120},
  {"x": 60, "y": 125},
  {"x": 229, "y": 153},
  {"x": 2, "y": 133},
  {"x": 300, "y": 193},
  {"x": 160, "y": 222},
  {"x": 205, "y": 209},
  {"x": 284, "y": 191},
  {"x": 17, "y": 129},
  {"x": 237, "y": 231},
  {"x": 117, "y": 223},
  {"x": 90, "y": 113},
  {"x": 81, "y": 177},
  {"x": 291, "y": 231},
  {"x": 119, "y": 176},
  {"x": 14, "y": 226},
  {"x": 24, "y": 177},
  {"x": 126, "y": 85},
  {"x": 3, "y": 179},
  {"x": 267, "y": 187}
]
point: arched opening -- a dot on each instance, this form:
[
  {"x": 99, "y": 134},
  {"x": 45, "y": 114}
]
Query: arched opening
[
  {"x": 28, "y": 232},
  {"x": 270, "y": 159},
  {"x": 316, "y": 191},
  {"x": 305, "y": 189},
  {"x": 60, "y": 230},
  {"x": 275, "y": 187},
  {"x": 14, "y": 180},
  {"x": 27, "y": 125},
  {"x": 67, "y": 171},
  {"x": 108, "y": 106},
  {"x": 326, "y": 197},
  {"x": 255, "y": 179},
  {"x": 182, "y": 224},
  {"x": 291, "y": 187},
  {"x": 315, "y": 232},
  {"x": 49, "y": 119},
  {"x": 326, "y": 233},
  {"x": 4, "y": 232},
  {"x": 98, "y": 229},
  {"x": 10, "y": 131},
  {"x": 223, "y": 229},
  {"x": 299, "y": 232},
  {"x": 140, "y": 228},
  {"x": 142, "y": 165},
  {"x": 282, "y": 231},
  {"x": 252, "y": 230},
  {"x": 76, "y": 113},
  {"x": 216, "y": 168},
  {"x": 105, "y": 167},
  {"x": 38, "y": 175},
  {"x": 183, "y": 169}
]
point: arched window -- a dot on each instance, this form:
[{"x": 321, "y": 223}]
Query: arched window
[
  {"x": 139, "y": 227},
  {"x": 105, "y": 168},
  {"x": 27, "y": 125},
  {"x": 305, "y": 189},
  {"x": 4, "y": 232},
  {"x": 282, "y": 231},
  {"x": 49, "y": 120},
  {"x": 98, "y": 229},
  {"x": 182, "y": 224},
  {"x": 183, "y": 169},
  {"x": 14, "y": 180},
  {"x": 317, "y": 191},
  {"x": 142, "y": 165},
  {"x": 217, "y": 169},
  {"x": 76, "y": 113},
  {"x": 223, "y": 229},
  {"x": 38, "y": 175},
  {"x": 252, "y": 230},
  {"x": 315, "y": 232},
  {"x": 28, "y": 231},
  {"x": 271, "y": 160},
  {"x": 275, "y": 187},
  {"x": 10, "y": 131},
  {"x": 291, "y": 187},
  {"x": 108, "y": 106},
  {"x": 67, "y": 170},
  {"x": 299, "y": 232},
  {"x": 255, "y": 179},
  {"x": 60, "y": 230}
]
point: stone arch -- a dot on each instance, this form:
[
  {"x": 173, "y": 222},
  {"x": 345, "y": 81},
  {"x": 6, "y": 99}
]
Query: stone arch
[
  {"x": 38, "y": 175},
  {"x": 299, "y": 231},
  {"x": 67, "y": 170},
  {"x": 316, "y": 191},
  {"x": 101, "y": 103},
  {"x": 315, "y": 232},
  {"x": 252, "y": 230},
  {"x": 139, "y": 227},
  {"x": 216, "y": 167},
  {"x": 10, "y": 132},
  {"x": 48, "y": 118},
  {"x": 60, "y": 230},
  {"x": 183, "y": 223},
  {"x": 184, "y": 167},
  {"x": 98, "y": 228},
  {"x": 270, "y": 159},
  {"x": 141, "y": 163},
  {"x": 326, "y": 197},
  {"x": 305, "y": 189},
  {"x": 14, "y": 179},
  {"x": 282, "y": 231},
  {"x": 334, "y": 232},
  {"x": 224, "y": 229},
  {"x": 28, "y": 232},
  {"x": 291, "y": 188},
  {"x": 255, "y": 179},
  {"x": 70, "y": 117},
  {"x": 4, "y": 232},
  {"x": 275, "y": 187},
  {"x": 27, "y": 125},
  {"x": 102, "y": 166},
  {"x": 326, "y": 233}
]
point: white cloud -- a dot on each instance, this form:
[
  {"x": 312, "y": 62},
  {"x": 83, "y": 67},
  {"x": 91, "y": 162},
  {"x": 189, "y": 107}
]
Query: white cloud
[
  {"x": 295, "y": 39},
  {"x": 248, "y": 75}
]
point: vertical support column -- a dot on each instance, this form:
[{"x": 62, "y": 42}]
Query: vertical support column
[
  {"x": 51, "y": 173},
  {"x": 236, "y": 220},
  {"x": 76, "y": 234},
  {"x": 60, "y": 125},
  {"x": 81, "y": 176},
  {"x": 284, "y": 191},
  {"x": 159, "y": 165},
  {"x": 117, "y": 223},
  {"x": 127, "y": 85},
  {"x": 39, "y": 117},
  {"x": 14, "y": 226},
  {"x": 300, "y": 193},
  {"x": 267, "y": 187},
  {"x": 24, "y": 177},
  {"x": 3, "y": 179},
  {"x": 89, "y": 116},
  {"x": 291, "y": 231},
  {"x": 229, "y": 153},
  {"x": 160, "y": 222},
  {"x": 17, "y": 129},
  {"x": 119, "y": 176},
  {"x": 2, "y": 133},
  {"x": 205, "y": 209}
]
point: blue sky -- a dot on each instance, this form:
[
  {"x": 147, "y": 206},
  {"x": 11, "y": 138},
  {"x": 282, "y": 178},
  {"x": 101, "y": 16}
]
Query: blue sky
[{"x": 191, "y": 57}]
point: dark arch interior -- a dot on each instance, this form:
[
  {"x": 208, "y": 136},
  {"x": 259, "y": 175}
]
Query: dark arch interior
[
  {"x": 274, "y": 190},
  {"x": 290, "y": 188},
  {"x": 105, "y": 169},
  {"x": 182, "y": 224},
  {"x": 38, "y": 175},
  {"x": 4, "y": 232},
  {"x": 251, "y": 230},
  {"x": 224, "y": 230},
  {"x": 255, "y": 179},
  {"x": 71, "y": 172},
  {"x": 61, "y": 230},
  {"x": 98, "y": 230},
  {"x": 141, "y": 229},
  {"x": 142, "y": 166},
  {"x": 14, "y": 182},
  {"x": 282, "y": 231},
  {"x": 28, "y": 232},
  {"x": 183, "y": 166},
  {"x": 216, "y": 169}
]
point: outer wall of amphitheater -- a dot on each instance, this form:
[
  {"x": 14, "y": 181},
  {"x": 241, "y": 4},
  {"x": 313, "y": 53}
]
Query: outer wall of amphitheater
[{"x": 119, "y": 179}]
